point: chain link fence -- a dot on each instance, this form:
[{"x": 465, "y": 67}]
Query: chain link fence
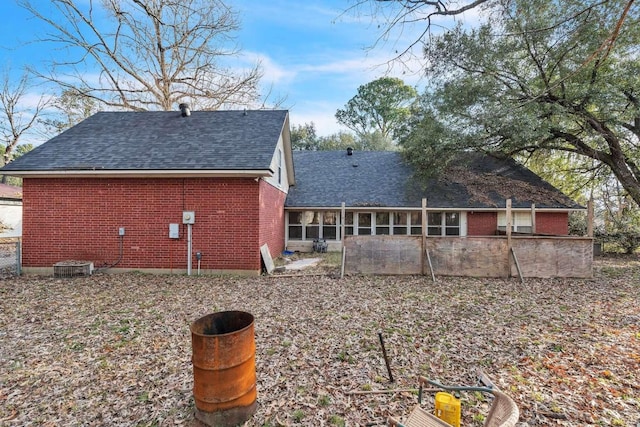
[{"x": 10, "y": 261}]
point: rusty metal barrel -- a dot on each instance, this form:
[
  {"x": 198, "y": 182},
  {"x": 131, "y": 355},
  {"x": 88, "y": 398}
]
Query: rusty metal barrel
[{"x": 224, "y": 372}]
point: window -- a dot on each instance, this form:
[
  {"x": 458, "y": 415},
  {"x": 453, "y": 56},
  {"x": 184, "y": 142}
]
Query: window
[
  {"x": 279, "y": 166},
  {"x": 364, "y": 223},
  {"x": 443, "y": 224},
  {"x": 434, "y": 221},
  {"x": 330, "y": 225},
  {"x": 521, "y": 222},
  {"x": 416, "y": 223},
  {"x": 452, "y": 224},
  {"x": 312, "y": 225},
  {"x": 295, "y": 225},
  {"x": 400, "y": 223},
  {"x": 348, "y": 221},
  {"x": 382, "y": 223}
]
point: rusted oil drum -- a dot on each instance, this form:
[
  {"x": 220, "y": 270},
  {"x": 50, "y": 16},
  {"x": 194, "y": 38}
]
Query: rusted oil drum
[{"x": 224, "y": 368}]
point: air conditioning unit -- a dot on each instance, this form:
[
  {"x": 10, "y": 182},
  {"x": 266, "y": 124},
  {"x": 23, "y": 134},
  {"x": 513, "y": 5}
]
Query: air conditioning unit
[{"x": 72, "y": 268}]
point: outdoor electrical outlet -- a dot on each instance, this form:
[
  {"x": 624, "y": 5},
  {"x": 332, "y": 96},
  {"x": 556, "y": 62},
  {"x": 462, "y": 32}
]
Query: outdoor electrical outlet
[{"x": 121, "y": 231}]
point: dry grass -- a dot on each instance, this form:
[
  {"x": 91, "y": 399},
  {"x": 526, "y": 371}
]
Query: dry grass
[{"x": 115, "y": 349}]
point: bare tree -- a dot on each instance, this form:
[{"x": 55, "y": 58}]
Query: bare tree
[
  {"x": 402, "y": 15},
  {"x": 148, "y": 54},
  {"x": 17, "y": 118}
]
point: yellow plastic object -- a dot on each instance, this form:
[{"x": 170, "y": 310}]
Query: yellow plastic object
[{"x": 448, "y": 408}]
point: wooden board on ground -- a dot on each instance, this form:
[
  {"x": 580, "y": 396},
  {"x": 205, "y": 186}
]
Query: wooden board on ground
[{"x": 266, "y": 258}]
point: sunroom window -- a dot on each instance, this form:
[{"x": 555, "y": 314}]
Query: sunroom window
[
  {"x": 330, "y": 225},
  {"x": 295, "y": 225},
  {"x": 382, "y": 223},
  {"x": 364, "y": 223},
  {"x": 443, "y": 224},
  {"x": 400, "y": 223},
  {"x": 310, "y": 225}
]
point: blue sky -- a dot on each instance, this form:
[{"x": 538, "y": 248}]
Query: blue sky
[{"x": 312, "y": 54}]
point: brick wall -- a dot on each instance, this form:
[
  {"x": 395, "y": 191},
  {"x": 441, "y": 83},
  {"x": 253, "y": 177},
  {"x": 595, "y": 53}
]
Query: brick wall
[
  {"x": 482, "y": 223},
  {"x": 553, "y": 223},
  {"x": 272, "y": 218},
  {"x": 79, "y": 219},
  {"x": 486, "y": 223}
]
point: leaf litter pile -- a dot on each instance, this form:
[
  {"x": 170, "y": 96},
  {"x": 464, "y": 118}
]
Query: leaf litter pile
[{"x": 116, "y": 349}]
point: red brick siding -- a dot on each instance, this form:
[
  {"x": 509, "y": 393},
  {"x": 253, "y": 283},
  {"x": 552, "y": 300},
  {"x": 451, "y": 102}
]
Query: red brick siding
[
  {"x": 486, "y": 223},
  {"x": 482, "y": 223},
  {"x": 272, "y": 218},
  {"x": 79, "y": 219},
  {"x": 556, "y": 223}
]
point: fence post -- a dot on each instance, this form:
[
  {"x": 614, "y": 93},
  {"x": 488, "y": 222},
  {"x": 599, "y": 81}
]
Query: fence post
[
  {"x": 343, "y": 217},
  {"x": 18, "y": 258},
  {"x": 508, "y": 230},
  {"x": 533, "y": 219},
  {"x": 424, "y": 233}
]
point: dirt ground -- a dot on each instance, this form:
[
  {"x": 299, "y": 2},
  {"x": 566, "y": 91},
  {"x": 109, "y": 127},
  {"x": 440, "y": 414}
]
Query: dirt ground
[{"x": 116, "y": 349}]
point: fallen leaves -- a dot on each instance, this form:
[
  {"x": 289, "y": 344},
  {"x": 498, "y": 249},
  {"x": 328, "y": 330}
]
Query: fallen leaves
[{"x": 115, "y": 349}]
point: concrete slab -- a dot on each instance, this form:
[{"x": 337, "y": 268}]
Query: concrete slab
[{"x": 302, "y": 263}]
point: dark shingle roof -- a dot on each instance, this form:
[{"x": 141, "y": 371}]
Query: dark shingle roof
[
  {"x": 384, "y": 179},
  {"x": 210, "y": 140}
]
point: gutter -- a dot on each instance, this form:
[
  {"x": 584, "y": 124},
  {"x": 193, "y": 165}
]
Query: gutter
[{"x": 133, "y": 173}]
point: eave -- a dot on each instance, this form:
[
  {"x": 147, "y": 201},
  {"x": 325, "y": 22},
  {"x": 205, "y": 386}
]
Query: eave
[
  {"x": 145, "y": 173},
  {"x": 430, "y": 208}
]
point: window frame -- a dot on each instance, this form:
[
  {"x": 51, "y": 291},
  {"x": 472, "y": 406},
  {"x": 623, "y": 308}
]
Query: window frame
[
  {"x": 444, "y": 227},
  {"x": 521, "y": 222}
]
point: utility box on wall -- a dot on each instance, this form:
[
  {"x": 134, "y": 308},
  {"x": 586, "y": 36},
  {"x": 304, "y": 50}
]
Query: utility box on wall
[
  {"x": 188, "y": 217},
  {"x": 174, "y": 231}
]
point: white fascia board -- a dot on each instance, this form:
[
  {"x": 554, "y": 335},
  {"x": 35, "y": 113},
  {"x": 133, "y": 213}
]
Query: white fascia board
[
  {"x": 431, "y": 209},
  {"x": 186, "y": 173}
]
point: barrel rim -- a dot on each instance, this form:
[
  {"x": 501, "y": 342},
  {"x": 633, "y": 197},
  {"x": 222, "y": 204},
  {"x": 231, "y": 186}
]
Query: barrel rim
[{"x": 220, "y": 313}]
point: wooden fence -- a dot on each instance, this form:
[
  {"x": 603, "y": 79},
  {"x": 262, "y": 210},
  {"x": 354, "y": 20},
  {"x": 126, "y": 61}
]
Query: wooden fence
[{"x": 482, "y": 256}]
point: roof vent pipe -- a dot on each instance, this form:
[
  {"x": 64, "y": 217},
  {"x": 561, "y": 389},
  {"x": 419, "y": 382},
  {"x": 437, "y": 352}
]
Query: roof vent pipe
[
  {"x": 349, "y": 151},
  {"x": 184, "y": 109}
]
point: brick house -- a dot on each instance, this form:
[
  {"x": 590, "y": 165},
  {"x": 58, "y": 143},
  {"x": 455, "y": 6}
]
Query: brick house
[
  {"x": 382, "y": 196},
  {"x": 113, "y": 190},
  {"x": 150, "y": 190}
]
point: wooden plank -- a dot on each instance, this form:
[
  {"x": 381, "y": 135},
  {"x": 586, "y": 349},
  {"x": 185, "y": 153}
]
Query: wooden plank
[
  {"x": 472, "y": 256},
  {"x": 383, "y": 255},
  {"x": 515, "y": 258},
  {"x": 433, "y": 276},
  {"x": 266, "y": 258}
]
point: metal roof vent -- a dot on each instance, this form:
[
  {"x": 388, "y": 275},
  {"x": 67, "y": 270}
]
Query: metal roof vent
[
  {"x": 184, "y": 109},
  {"x": 349, "y": 151}
]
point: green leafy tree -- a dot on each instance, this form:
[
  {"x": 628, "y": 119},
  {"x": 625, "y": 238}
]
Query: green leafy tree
[
  {"x": 380, "y": 107},
  {"x": 339, "y": 141},
  {"x": 304, "y": 137},
  {"x": 540, "y": 77}
]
